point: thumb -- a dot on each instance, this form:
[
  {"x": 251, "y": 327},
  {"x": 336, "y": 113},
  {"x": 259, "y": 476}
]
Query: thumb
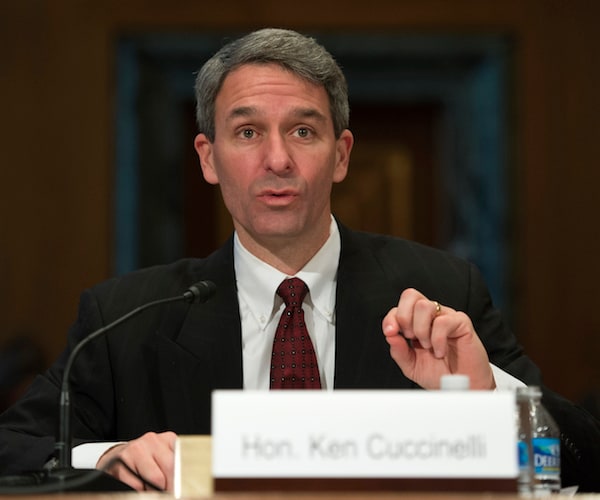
[{"x": 400, "y": 351}]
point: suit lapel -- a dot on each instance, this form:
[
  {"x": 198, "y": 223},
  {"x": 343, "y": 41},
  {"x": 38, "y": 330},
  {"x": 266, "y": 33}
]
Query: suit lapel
[
  {"x": 364, "y": 296},
  {"x": 205, "y": 353}
]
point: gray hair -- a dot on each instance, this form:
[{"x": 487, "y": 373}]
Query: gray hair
[{"x": 297, "y": 53}]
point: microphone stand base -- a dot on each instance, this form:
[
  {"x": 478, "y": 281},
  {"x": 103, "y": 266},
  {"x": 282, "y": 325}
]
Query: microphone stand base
[{"x": 61, "y": 480}]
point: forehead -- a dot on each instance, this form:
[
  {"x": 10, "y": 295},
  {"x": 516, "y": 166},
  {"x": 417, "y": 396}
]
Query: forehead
[{"x": 266, "y": 84}]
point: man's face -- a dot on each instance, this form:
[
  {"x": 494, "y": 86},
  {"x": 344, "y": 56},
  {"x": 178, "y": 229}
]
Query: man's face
[{"x": 275, "y": 156}]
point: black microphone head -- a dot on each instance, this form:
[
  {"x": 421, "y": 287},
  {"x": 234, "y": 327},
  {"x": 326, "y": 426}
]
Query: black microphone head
[{"x": 200, "y": 292}]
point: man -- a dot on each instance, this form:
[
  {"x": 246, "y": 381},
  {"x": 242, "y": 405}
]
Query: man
[{"x": 381, "y": 312}]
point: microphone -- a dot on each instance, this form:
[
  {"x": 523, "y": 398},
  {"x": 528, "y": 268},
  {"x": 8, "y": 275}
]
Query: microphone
[
  {"x": 201, "y": 292},
  {"x": 63, "y": 473}
]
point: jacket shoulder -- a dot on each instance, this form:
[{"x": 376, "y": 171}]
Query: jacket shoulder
[{"x": 399, "y": 251}]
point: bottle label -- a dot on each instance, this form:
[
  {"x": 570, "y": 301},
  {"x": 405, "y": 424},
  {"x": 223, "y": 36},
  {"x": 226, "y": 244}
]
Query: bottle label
[
  {"x": 523, "y": 455},
  {"x": 546, "y": 456}
]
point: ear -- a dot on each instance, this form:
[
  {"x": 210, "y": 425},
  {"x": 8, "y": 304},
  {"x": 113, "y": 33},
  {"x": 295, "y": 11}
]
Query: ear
[
  {"x": 343, "y": 149},
  {"x": 204, "y": 148}
]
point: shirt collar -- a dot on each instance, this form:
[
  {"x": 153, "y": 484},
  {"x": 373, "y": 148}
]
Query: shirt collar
[{"x": 257, "y": 281}]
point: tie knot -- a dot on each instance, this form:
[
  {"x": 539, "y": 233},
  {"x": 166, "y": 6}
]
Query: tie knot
[{"x": 292, "y": 291}]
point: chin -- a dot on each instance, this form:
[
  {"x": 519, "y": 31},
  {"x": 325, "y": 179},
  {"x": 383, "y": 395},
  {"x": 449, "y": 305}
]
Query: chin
[{"x": 279, "y": 231}]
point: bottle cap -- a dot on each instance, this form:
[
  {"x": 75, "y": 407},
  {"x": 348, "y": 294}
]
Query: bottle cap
[
  {"x": 530, "y": 391},
  {"x": 455, "y": 382}
]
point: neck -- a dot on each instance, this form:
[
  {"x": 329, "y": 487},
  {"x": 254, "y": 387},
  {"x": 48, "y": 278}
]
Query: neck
[{"x": 288, "y": 255}]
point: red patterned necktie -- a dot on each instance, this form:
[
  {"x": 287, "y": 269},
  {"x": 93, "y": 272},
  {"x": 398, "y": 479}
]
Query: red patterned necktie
[{"x": 293, "y": 363}]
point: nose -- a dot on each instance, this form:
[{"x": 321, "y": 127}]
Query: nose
[{"x": 277, "y": 155}]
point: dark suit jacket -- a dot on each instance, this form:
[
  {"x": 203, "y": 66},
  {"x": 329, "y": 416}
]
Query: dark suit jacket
[{"x": 157, "y": 371}]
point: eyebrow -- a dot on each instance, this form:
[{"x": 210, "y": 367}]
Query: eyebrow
[
  {"x": 310, "y": 113},
  {"x": 242, "y": 111},
  {"x": 246, "y": 111}
]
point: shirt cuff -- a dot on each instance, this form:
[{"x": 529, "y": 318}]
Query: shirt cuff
[
  {"x": 86, "y": 455},
  {"x": 505, "y": 381}
]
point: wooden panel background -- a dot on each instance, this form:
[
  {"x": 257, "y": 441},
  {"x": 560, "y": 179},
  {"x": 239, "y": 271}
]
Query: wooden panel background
[{"x": 57, "y": 151}]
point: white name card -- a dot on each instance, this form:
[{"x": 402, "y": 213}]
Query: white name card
[{"x": 364, "y": 434}]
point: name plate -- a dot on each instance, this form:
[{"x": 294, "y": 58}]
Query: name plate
[{"x": 364, "y": 434}]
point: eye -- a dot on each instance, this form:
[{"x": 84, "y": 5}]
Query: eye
[
  {"x": 247, "y": 133},
  {"x": 303, "y": 132}
]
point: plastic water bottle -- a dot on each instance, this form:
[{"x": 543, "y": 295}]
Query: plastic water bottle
[
  {"x": 541, "y": 438},
  {"x": 545, "y": 440}
]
